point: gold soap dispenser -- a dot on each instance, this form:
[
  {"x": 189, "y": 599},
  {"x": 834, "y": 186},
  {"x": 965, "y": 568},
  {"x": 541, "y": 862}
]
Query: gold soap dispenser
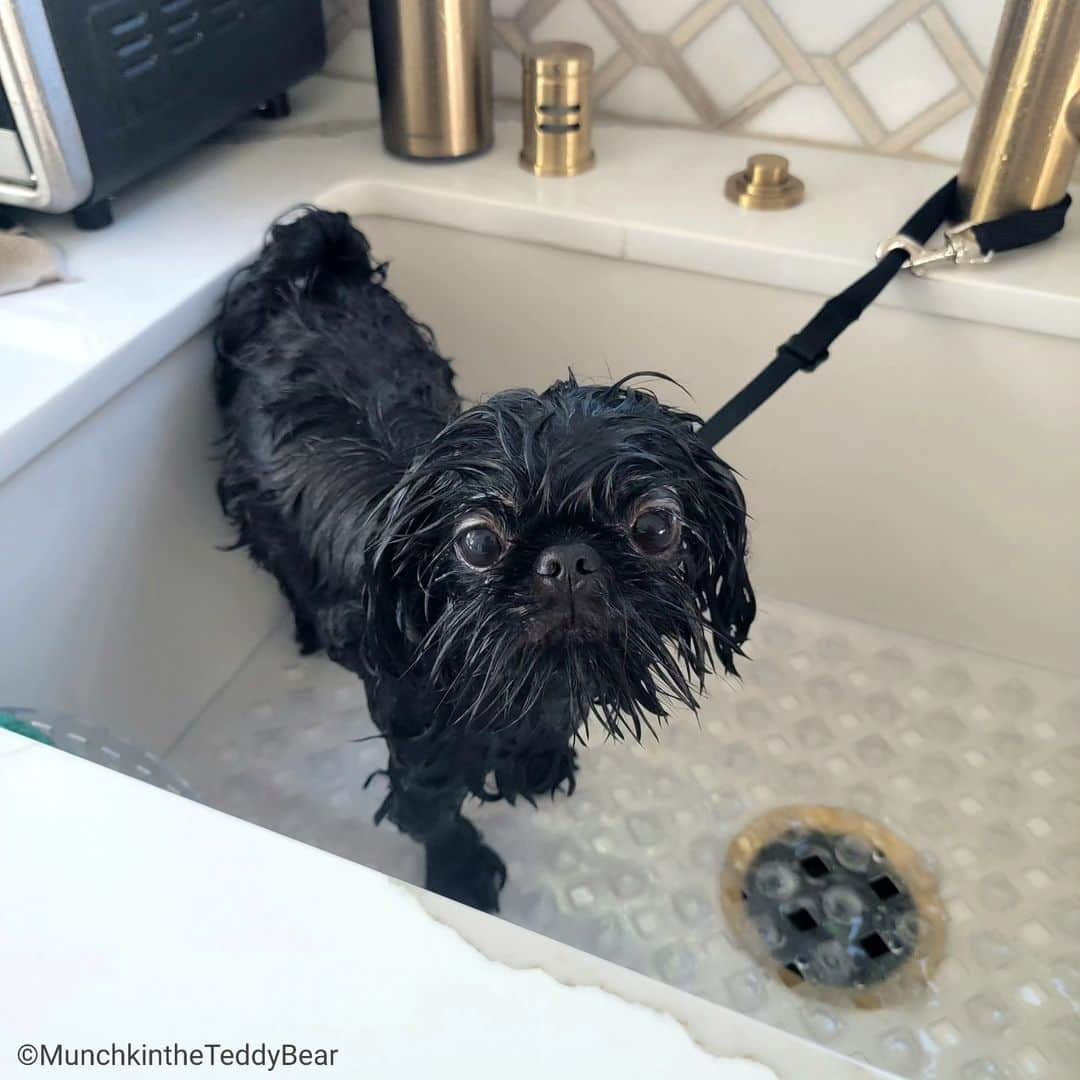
[{"x": 556, "y": 96}]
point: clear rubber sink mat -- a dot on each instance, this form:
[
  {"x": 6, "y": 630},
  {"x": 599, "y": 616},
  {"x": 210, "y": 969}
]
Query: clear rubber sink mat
[{"x": 975, "y": 761}]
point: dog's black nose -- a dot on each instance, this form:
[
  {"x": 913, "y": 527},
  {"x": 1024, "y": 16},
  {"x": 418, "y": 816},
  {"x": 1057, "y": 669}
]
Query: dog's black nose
[
  {"x": 569, "y": 565},
  {"x": 570, "y": 589}
]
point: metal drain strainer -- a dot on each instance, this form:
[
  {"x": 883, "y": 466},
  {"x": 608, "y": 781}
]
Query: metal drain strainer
[{"x": 835, "y": 903}]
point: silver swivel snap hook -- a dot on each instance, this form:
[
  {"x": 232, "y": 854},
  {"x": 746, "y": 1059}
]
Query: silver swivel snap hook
[{"x": 961, "y": 248}]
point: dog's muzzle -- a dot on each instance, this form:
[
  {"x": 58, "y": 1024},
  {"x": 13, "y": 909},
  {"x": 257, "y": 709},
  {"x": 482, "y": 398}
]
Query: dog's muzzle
[{"x": 569, "y": 580}]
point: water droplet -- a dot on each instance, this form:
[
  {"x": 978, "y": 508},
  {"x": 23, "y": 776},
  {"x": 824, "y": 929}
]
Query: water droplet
[
  {"x": 997, "y": 893},
  {"x": 747, "y": 990},
  {"x": 989, "y": 1013},
  {"x": 822, "y": 1024},
  {"x": 675, "y": 964},
  {"x": 950, "y": 680},
  {"x": 1014, "y": 697},
  {"x": 830, "y": 964},
  {"x": 841, "y": 904},
  {"x": 901, "y": 1049},
  {"x": 874, "y": 751},
  {"x": 770, "y": 933},
  {"x": 983, "y": 1069},
  {"x": 907, "y": 927},
  {"x": 853, "y": 852},
  {"x": 992, "y": 951},
  {"x": 776, "y": 880},
  {"x": 1065, "y": 975}
]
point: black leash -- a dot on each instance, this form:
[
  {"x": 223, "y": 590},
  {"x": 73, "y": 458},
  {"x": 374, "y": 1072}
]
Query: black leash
[{"x": 809, "y": 348}]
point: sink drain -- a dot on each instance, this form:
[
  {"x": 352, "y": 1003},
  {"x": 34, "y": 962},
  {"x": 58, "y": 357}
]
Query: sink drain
[{"x": 835, "y": 903}]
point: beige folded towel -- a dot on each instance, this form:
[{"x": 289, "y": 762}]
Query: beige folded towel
[{"x": 27, "y": 261}]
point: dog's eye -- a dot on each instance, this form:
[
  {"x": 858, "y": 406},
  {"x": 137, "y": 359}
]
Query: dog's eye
[
  {"x": 655, "y": 530},
  {"x": 480, "y": 547}
]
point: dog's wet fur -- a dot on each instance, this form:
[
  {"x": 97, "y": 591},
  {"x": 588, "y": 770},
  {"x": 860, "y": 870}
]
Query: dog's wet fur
[{"x": 502, "y": 576}]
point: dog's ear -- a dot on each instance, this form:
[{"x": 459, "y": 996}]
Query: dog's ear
[
  {"x": 372, "y": 613},
  {"x": 363, "y": 630},
  {"x": 385, "y": 608},
  {"x": 717, "y": 550}
]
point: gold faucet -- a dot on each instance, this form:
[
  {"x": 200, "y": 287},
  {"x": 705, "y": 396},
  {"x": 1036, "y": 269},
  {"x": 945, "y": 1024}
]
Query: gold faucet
[{"x": 1024, "y": 140}]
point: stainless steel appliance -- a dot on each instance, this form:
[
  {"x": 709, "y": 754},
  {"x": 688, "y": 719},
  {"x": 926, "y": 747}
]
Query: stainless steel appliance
[{"x": 95, "y": 95}]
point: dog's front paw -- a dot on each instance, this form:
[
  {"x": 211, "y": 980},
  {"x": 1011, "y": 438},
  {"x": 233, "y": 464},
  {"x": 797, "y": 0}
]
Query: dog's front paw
[
  {"x": 463, "y": 868},
  {"x": 307, "y": 635}
]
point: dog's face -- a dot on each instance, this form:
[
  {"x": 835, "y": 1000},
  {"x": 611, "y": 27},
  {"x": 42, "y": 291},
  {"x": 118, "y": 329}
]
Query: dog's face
[{"x": 583, "y": 540}]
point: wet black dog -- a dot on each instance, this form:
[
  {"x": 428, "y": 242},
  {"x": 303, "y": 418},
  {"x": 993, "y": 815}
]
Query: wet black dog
[{"x": 499, "y": 575}]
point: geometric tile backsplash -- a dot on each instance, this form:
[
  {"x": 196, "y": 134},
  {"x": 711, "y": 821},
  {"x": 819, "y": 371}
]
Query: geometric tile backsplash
[{"x": 892, "y": 76}]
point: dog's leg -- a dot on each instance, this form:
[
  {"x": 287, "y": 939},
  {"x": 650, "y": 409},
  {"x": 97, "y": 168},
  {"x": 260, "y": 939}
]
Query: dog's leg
[
  {"x": 536, "y": 771},
  {"x": 305, "y": 630},
  {"x": 427, "y": 790},
  {"x": 281, "y": 560},
  {"x": 426, "y": 805},
  {"x": 307, "y": 636}
]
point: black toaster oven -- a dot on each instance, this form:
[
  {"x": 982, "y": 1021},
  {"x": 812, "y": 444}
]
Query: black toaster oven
[{"x": 96, "y": 93}]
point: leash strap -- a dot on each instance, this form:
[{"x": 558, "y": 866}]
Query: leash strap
[{"x": 809, "y": 348}]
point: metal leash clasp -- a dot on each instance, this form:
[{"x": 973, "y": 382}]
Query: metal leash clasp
[{"x": 961, "y": 248}]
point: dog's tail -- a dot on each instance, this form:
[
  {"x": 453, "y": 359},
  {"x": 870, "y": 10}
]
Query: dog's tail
[{"x": 318, "y": 255}]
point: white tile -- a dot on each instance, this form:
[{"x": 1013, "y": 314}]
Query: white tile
[
  {"x": 978, "y": 21},
  {"x": 657, "y": 16},
  {"x": 648, "y": 94},
  {"x": 355, "y": 56},
  {"x": 731, "y": 58},
  {"x": 949, "y": 140},
  {"x": 506, "y": 9},
  {"x": 824, "y": 27},
  {"x": 575, "y": 20},
  {"x": 805, "y": 112},
  {"x": 903, "y": 76}
]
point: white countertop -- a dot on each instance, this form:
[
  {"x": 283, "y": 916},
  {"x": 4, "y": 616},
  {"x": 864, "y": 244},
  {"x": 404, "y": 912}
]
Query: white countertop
[
  {"x": 155, "y": 277},
  {"x": 132, "y": 915}
]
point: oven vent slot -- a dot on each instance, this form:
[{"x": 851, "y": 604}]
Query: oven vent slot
[
  {"x": 227, "y": 14},
  {"x": 182, "y": 25},
  {"x": 125, "y": 32}
]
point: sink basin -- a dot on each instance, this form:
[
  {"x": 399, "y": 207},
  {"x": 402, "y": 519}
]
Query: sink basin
[{"x": 914, "y": 540}]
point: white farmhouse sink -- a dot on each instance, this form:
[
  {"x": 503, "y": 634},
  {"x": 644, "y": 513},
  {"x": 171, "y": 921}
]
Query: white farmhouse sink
[{"x": 915, "y": 541}]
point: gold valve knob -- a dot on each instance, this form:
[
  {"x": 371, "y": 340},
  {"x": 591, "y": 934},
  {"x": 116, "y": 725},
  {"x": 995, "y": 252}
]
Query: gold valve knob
[{"x": 765, "y": 184}]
